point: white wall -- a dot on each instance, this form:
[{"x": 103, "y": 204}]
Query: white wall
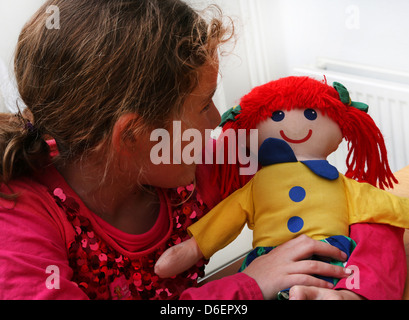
[
  {"x": 373, "y": 32},
  {"x": 13, "y": 15},
  {"x": 275, "y": 36}
]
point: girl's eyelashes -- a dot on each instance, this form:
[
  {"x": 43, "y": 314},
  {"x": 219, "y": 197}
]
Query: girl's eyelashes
[
  {"x": 278, "y": 116},
  {"x": 310, "y": 114},
  {"x": 206, "y": 108}
]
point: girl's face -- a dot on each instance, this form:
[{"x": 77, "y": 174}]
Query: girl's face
[
  {"x": 311, "y": 134},
  {"x": 199, "y": 113}
]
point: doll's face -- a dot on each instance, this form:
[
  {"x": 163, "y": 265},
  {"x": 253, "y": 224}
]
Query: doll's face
[{"x": 311, "y": 134}]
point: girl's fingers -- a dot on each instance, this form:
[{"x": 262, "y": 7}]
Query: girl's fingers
[
  {"x": 289, "y": 264},
  {"x": 307, "y": 293},
  {"x": 320, "y": 268},
  {"x": 308, "y": 281},
  {"x": 305, "y": 248},
  {"x": 316, "y": 293}
]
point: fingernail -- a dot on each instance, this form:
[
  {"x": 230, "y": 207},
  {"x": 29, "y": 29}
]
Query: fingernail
[{"x": 348, "y": 271}]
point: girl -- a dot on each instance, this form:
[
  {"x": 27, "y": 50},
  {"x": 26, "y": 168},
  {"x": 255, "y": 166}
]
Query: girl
[{"x": 84, "y": 214}]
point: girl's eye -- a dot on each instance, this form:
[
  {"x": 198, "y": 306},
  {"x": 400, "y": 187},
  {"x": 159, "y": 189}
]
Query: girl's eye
[
  {"x": 278, "y": 116},
  {"x": 205, "y": 108},
  {"x": 310, "y": 114}
]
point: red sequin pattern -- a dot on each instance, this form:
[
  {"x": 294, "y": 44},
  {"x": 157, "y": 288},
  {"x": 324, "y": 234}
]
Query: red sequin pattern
[{"x": 104, "y": 273}]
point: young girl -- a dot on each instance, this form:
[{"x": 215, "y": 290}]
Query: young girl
[{"x": 84, "y": 213}]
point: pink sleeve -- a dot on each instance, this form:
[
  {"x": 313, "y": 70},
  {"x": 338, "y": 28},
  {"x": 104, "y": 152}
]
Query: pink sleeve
[
  {"x": 380, "y": 260},
  {"x": 236, "y": 287},
  {"x": 32, "y": 257}
]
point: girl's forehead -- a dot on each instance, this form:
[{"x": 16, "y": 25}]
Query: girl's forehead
[{"x": 205, "y": 88}]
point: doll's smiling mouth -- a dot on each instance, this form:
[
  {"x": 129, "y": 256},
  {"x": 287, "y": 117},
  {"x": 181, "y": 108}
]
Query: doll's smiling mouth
[{"x": 296, "y": 141}]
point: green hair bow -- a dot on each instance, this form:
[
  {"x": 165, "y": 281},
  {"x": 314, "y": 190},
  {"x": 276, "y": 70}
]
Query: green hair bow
[
  {"x": 230, "y": 115},
  {"x": 345, "y": 98}
]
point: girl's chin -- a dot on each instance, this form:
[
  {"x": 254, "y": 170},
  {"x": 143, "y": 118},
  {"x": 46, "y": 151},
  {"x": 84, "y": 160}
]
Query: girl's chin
[{"x": 173, "y": 179}]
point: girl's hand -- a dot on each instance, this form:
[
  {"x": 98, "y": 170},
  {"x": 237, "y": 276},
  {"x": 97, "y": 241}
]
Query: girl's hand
[
  {"x": 288, "y": 265},
  {"x": 314, "y": 293}
]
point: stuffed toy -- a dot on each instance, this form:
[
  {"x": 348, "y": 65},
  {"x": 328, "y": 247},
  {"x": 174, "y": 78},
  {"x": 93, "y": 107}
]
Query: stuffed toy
[{"x": 300, "y": 122}]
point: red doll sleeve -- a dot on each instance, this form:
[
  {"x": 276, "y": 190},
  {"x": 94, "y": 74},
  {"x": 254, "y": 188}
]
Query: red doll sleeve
[{"x": 379, "y": 262}]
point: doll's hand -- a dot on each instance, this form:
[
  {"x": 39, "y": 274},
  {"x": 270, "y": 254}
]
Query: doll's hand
[
  {"x": 178, "y": 259},
  {"x": 287, "y": 266},
  {"x": 314, "y": 293}
]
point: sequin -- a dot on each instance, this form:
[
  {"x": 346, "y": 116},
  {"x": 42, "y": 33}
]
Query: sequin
[
  {"x": 94, "y": 247},
  {"x": 102, "y": 257},
  {"x": 60, "y": 194},
  {"x": 103, "y": 273}
]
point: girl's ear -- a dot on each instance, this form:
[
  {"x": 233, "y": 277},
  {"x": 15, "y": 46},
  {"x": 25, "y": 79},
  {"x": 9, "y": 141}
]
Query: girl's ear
[{"x": 125, "y": 132}]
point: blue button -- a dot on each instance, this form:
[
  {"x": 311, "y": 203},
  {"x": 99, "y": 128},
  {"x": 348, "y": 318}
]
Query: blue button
[
  {"x": 297, "y": 194},
  {"x": 295, "y": 224}
]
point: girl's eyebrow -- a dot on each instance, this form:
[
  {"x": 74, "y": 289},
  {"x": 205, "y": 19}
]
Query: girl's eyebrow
[
  {"x": 210, "y": 96},
  {"x": 206, "y": 98}
]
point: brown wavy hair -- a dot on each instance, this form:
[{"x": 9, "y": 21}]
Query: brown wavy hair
[{"x": 109, "y": 57}]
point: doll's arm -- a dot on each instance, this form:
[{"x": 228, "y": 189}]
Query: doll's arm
[
  {"x": 369, "y": 204},
  {"x": 211, "y": 233},
  {"x": 224, "y": 222}
]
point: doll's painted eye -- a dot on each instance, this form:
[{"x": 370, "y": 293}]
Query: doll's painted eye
[
  {"x": 310, "y": 114},
  {"x": 278, "y": 116}
]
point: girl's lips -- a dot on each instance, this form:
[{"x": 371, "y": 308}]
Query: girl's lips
[{"x": 296, "y": 141}]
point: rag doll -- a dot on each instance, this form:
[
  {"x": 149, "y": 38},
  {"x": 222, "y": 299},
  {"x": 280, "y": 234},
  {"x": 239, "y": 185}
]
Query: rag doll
[{"x": 300, "y": 122}]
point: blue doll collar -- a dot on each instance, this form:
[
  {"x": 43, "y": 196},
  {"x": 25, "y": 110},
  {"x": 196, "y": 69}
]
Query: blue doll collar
[{"x": 274, "y": 151}]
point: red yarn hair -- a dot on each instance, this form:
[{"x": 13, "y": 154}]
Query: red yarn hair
[{"x": 367, "y": 156}]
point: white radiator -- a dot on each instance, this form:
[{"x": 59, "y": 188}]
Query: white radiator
[{"x": 387, "y": 94}]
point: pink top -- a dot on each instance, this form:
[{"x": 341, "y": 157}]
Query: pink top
[
  {"x": 137, "y": 243},
  {"x": 53, "y": 247}
]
